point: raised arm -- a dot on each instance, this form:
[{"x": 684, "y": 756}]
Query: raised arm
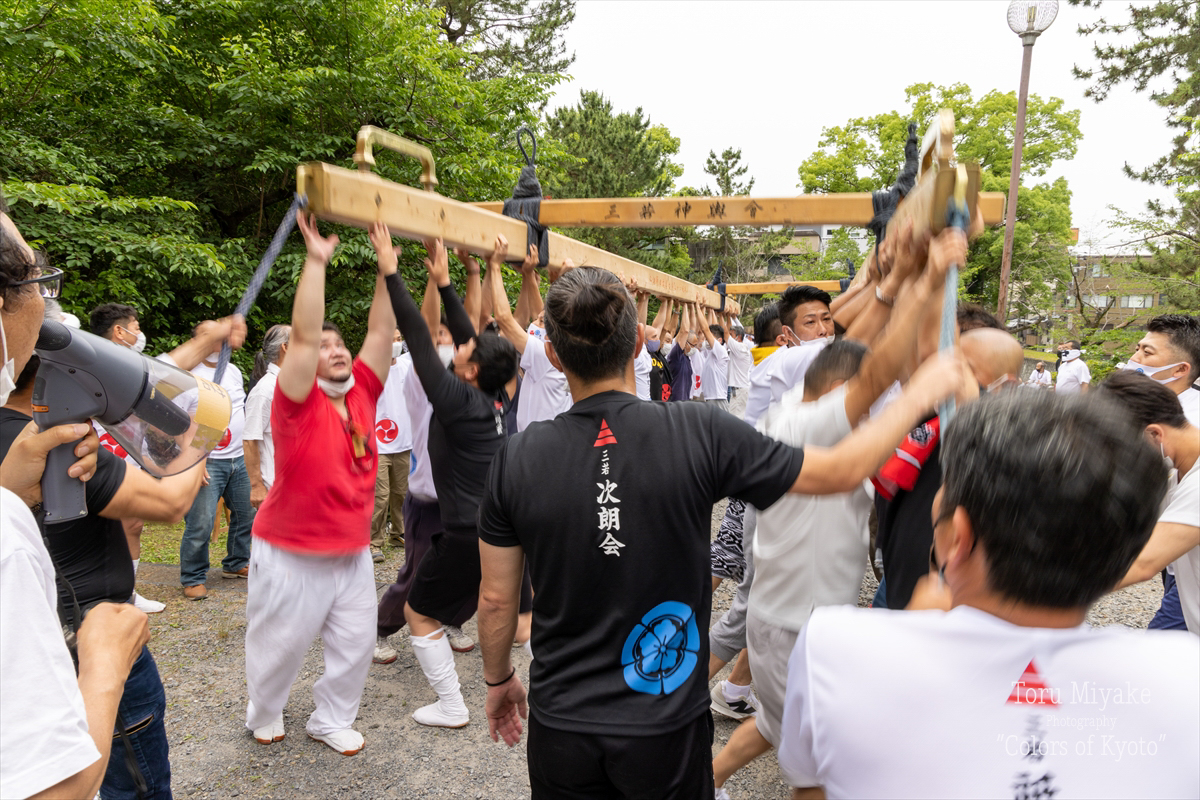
[
  {"x": 664, "y": 314},
  {"x": 298, "y": 374},
  {"x": 208, "y": 337},
  {"x": 861, "y": 454},
  {"x": 438, "y": 267},
  {"x": 494, "y": 286},
  {"x": 429, "y": 368},
  {"x": 529, "y": 302},
  {"x": 376, "y": 351},
  {"x": 431, "y": 308},
  {"x": 893, "y": 349},
  {"x": 704, "y": 331},
  {"x": 473, "y": 300}
]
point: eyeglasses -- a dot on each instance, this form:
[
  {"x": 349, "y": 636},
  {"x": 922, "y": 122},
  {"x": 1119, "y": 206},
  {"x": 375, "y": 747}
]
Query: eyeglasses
[{"x": 49, "y": 281}]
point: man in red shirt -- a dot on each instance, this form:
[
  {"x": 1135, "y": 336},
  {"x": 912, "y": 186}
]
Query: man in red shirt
[{"x": 310, "y": 568}]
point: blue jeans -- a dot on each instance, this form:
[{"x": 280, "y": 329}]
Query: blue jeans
[
  {"x": 228, "y": 480},
  {"x": 142, "y": 708},
  {"x": 1170, "y": 613}
]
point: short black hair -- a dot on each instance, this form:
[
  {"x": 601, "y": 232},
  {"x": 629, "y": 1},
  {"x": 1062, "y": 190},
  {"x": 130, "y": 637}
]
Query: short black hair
[
  {"x": 107, "y": 316},
  {"x": 497, "y": 361},
  {"x": 15, "y": 265},
  {"x": 838, "y": 361},
  {"x": 795, "y": 296},
  {"x": 1147, "y": 401},
  {"x": 1183, "y": 332},
  {"x": 972, "y": 316},
  {"x": 591, "y": 322},
  {"x": 1099, "y": 485},
  {"x": 329, "y": 326},
  {"x": 717, "y": 331},
  {"x": 767, "y": 326}
]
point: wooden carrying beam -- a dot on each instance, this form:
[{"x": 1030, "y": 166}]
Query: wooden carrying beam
[
  {"x": 359, "y": 198},
  {"x": 664, "y": 212},
  {"x": 779, "y": 286}
]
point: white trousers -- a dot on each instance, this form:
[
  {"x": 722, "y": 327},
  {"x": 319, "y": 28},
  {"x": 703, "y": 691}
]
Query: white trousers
[{"x": 290, "y": 599}]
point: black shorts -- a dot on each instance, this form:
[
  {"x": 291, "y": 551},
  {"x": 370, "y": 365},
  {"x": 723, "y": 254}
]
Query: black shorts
[
  {"x": 446, "y": 586},
  {"x": 581, "y": 766}
]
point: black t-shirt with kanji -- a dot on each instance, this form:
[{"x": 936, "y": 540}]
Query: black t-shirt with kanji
[{"x": 612, "y": 503}]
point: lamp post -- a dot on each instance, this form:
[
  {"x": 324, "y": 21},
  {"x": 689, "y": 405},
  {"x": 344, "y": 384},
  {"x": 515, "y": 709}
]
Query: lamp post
[{"x": 1028, "y": 19}]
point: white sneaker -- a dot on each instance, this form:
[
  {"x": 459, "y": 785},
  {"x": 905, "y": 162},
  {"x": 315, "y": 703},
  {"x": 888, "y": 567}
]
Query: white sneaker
[
  {"x": 459, "y": 641},
  {"x": 347, "y": 741},
  {"x": 147, "y": 606},
  {"x": 435, "y": 716},
  {"x": 384, "y": 652},
  {"x": 271, "y": 732},
  {"x": 737, "y": 709}
]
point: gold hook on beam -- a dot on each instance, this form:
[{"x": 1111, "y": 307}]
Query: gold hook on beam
[{"x": 369, "y": 136}]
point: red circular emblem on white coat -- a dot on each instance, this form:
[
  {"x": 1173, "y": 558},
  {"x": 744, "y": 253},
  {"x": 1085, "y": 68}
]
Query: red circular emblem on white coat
[
  {"x": 386, "y": 431},
  {"x": 110, "y": 444},
  {"x": 697, "y": 379},
  {"x": 225, "y": 440}
]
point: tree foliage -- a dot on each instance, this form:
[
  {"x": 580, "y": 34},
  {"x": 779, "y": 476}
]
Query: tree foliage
[
  {"x": 1158, "y": 51},
  {"x": 611, "y": 153},
  {"x": 867, "y": 154},
  {"x": 511, "y": 33},
  {"x": 150, "y": 148}
]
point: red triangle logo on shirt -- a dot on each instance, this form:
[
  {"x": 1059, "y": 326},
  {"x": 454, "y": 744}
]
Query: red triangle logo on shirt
[
  {"x": 605, "y": 436},
  {"x": 1031, "y": 690}
]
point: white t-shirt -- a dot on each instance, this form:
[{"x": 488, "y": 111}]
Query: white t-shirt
[
  {"x": 641, "y": 373},
  {"x": 420, "y": 412},
  {"x": 1039, "y": 379},
  {"x": 1071, "y": 376},
  {"x": 43, "y": 727},
  {"x": 777, "y": 373},
  {"x": 1190, "y": 400},
  {"x": 957, "y": 704},
  {"x": 393, "y": 430},
  {"x": 740, "y": 361},
  {"x": 1182, "y": 507},
  {"x": 258, "y": 422},
  {"x": 712, "y": 365},
  {"x": 544, "y": 392},
  {"x": 230, "y": 445},
  {"x": 809, "y": 550}
]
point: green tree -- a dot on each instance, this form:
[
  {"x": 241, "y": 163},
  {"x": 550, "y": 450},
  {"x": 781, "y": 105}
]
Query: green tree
[
  {"x": 511, "y": 33},
  {"x": 1158, "y": 50},
  {"x": 151, "y": 149},
  {"x": 616, "y": 154},
  {"x": 867, "y": 154}
]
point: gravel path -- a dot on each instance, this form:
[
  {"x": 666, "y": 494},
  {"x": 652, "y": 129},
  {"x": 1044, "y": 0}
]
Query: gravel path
[{"x": 199, "y": 649}]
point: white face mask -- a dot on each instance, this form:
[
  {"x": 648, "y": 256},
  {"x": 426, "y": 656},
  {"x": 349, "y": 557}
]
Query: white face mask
[
  {"x": 1070, "y": 355},
  {"x": 336, "y": 388},
  {"x": 446, "y": 353},
  {"x": 397, "y": 349},
  {"x": 8, "y": 373},
  {"x": 1150, "y": 372},
  {"x": 139, "y": 345}
]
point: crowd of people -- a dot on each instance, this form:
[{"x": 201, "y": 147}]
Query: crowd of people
[{"x": 1005, "y": 507}]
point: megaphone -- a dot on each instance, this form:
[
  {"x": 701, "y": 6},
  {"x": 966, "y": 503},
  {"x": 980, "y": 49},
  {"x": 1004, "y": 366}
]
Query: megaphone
[{"x": 167, "y": 419}]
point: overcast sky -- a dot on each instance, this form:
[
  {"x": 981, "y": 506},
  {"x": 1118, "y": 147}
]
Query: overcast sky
[{"x": 768, "y": 76}]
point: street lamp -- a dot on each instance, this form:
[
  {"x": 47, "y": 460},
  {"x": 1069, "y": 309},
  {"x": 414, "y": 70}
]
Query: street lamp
[{"x": 1028, "y": 19}]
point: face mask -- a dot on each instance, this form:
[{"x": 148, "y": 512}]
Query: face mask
[
  {"x": 652, "y": 347},
  {"x": 139, "y": 345},
  {"x": 336, "y": 388},
  {"x": 1149, "y": 371},
  {"x": 537, "y": 333},
  {"x": 8, "y": 374},
  {"x": 446, "y": 353},
  {"x": 397, "y": 349},
  {"x": 1070, "y": 355}
]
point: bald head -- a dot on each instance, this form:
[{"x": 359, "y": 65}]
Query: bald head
[{"x": 991, "y": 354}]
